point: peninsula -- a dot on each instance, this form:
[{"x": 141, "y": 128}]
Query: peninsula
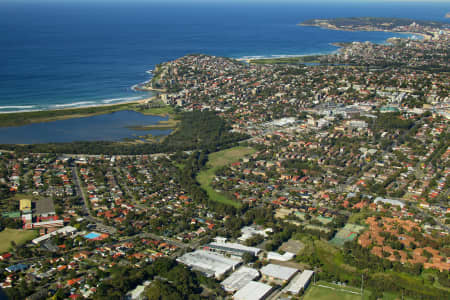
[{"x": 376, "y": 24}]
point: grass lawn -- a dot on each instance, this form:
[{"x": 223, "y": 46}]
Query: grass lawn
[
  {"x": 12, "y": 204},
  {"x": 360, "y": 217},
  {"x": 19, "y": 236},
  {"x": 215, "y": 161},
  {"x": 288, "y": 60},
  {"x": 158, "y": 111},
  {"x": 328, "y": 291}
]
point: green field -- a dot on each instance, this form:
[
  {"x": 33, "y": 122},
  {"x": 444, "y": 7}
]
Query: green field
[
  {"x": 215, "y": 161},
  {"x": 158, "y": 111},
  {"x": 19, "y": 236},
  {"x": 328, "y": 291},
  {"x": 360, "y": 217},
  {"x": 288, "y": 60},
  {"x": 12, "y": 203}
]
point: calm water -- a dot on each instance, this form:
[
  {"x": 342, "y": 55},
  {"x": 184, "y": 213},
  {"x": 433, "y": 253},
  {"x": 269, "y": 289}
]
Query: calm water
[
  {"x": 70, "y": 53},
  {"x": 110, "y": 127}
]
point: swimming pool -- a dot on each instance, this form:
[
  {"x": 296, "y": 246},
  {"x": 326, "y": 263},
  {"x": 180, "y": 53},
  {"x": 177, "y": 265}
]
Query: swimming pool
[{"x": 92, "y": 235}]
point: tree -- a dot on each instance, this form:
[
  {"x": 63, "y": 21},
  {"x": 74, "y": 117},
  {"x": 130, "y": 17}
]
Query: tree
[
  {"x": 248, "y": 257},
  {"x": 160, "y": 290}
]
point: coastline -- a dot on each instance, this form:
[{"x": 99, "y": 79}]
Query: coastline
[
  {"x": 74, "y": 105},
  {"x": 91, "y": 108},
  {"x": 143, "y": 86},
  {"x": 24, "y": 118},
  {"x": 423, "y": 35},
  {"x": 255, "y": 59}
]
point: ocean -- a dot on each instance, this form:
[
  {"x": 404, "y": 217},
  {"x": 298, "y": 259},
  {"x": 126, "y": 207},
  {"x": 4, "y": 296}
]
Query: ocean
[{"x": 57, "y": 54}]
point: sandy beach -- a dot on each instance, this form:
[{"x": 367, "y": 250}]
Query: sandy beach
[{"x": 23, "y": 118}]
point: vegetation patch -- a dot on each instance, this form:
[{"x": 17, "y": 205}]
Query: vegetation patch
[
  {"x": 196, "y": 130},
  {"x": 215, "y": 161},
  {"x": 24, "y": 118},
  {"x": 169, "y": 124},
  {"x": 288, "y": 60},
  {"x": 163, "y": 110},
  {"x": 16, "y": 236}
]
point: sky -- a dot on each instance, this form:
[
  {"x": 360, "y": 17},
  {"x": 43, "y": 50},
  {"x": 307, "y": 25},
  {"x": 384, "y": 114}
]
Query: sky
[
  {"x": 240, "y": 1},
  {"x": 251, "y": 2}
]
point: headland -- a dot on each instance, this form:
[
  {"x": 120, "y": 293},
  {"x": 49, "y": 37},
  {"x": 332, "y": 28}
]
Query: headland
[{"x": 397, "y": 25}]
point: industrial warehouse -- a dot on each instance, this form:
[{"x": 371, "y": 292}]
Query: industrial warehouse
[
  {"x": 253, "y": 291},
  {"x": 211, "y": 264},
  {"x": 232, "y": 249},
  {"x": 239, "y": 279}
]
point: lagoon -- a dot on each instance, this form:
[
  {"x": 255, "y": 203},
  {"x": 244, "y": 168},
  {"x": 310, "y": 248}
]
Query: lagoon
[{"x": 114, "y": 126}]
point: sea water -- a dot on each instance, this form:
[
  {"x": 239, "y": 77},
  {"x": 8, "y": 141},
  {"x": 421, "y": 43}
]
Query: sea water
[{"x": 58, "y": 54}]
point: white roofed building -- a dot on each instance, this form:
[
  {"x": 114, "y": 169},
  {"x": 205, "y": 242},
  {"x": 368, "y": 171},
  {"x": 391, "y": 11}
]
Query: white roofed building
[
  {"x": 67, "y": 230},
  {"x": 233, "y": 249},
  {"x": 250, "y": 231},
  {"x": 299, "y": 282},
  {"x": 253, "y": 291},
  {"x": 276, "y": 256},
  {"x": 278, "y": 273},
  {"x": 239, "y": 279},
  {"x": 211, "y": 264},
  {"x": 389, "y": 201}
]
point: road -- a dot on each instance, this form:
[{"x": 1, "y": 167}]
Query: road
[{"x": 88, "y": 214}]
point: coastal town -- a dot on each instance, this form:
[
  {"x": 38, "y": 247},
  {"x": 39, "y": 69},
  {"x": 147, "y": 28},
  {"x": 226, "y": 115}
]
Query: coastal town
[{"x": 339, "y": 183}]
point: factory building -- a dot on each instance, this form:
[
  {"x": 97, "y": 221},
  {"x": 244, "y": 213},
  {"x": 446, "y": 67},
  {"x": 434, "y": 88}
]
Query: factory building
[
  {"x": 278, "y": 274},
  {"x": 239, "y": 279},
  {"x": 211, "y": 264},
  {"x": 253, "y": 291},
  {"x": 300, "y": 282}
]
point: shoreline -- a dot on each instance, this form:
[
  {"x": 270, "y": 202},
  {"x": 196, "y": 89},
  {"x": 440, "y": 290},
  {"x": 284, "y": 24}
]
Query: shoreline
[
  {"x": 14, "y": 119},
  {"x": 249, "y": 59},
  {"x": 143, "y": 87},
  {"x": 73, "y": 106},
  {"x": 423, "y": 35}
]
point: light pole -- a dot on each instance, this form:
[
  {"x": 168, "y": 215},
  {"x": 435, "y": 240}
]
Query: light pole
[{"x": 362, "y": 286}]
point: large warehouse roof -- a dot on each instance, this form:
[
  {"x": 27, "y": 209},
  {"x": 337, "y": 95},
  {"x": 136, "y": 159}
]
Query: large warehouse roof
[
  {"x": 208, "y": 262},
  {"x": 239, "y": 279},
  {"x": 234, "y": 248},
  {"x": 299, "y": 282},
  {"x": 278, "y": 272},
  {"x": 253, "y": 291}
]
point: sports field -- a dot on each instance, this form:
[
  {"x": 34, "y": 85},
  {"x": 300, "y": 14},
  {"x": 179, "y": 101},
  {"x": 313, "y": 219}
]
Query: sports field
[
  {"x": 19, "y": 236},
  {"x": 328, "y": 291},
  {"x": 215, "y": 161}
]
